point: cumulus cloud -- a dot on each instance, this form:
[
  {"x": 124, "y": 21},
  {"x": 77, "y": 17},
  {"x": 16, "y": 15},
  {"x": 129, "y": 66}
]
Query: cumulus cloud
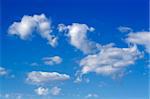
[
  {"x": 55, "y": 91},
  {"x": 140, "y": 38},
  {"x": 124, "y": 29},
  {"x": 3, "y": 71},
  {"x": 39, "y": 77},
  {"x": 52, "y": 60},
  {"x": 31, "y": 24},
  {"x": 77, "y": 34},
  {"x": 109, "y": 61},
  {"x": 41, "y": 91}
]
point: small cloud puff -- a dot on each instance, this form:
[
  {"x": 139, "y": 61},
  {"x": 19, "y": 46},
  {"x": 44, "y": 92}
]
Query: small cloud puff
[
  {"x": 3, "y": 71},
  {"x": 52, "y": 60}
]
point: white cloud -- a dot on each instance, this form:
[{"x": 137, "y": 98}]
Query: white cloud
[
  {"x": 77, "y": 34},
  {"x": 3, "y": 71},
  {"x": 124, "y": 29},
  {"x": 52, "y": 60},
  {"x": 91, "y": 96},
  {"x": 55, "y": 91},
  {"x": 109, "y": 61},
  {"x": 39, "y": 77},
  {"x": 62, "y": 28},
  {"x": 30, "y": 24},
  {"x": 140, "y": 38},
  {"x": 41, "y": 91}
]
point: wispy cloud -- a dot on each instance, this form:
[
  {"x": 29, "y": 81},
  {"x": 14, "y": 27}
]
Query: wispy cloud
[
  {"x": 91, "y": 96},
  {"x": 3, "y": 71},
  {"x": 55, "y": 91},
  {"x": 124, "y": 29}
]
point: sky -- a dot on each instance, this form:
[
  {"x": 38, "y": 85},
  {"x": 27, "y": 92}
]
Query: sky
[{"x": 74, "y": 49}]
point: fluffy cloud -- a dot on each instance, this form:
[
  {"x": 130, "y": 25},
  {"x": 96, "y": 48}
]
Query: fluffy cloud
[
  {"x": 3, "y": 71},
  {"x": 110, "y": 60},
  {"x": 140, "y": 38},
  {"x": 52, "y": 60},
  {"x": 41, "y": 91},
  {"x": 77, "y": 34},
  {"x": 55, "y": 91},
  {"x": 124, "y": 29},
  {"x": 30, "y": 24},
  {"x": 39, "y": 77}
]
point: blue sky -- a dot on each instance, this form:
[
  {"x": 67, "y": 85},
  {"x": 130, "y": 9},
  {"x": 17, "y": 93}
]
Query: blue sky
[{"x": 79, "y": 49}]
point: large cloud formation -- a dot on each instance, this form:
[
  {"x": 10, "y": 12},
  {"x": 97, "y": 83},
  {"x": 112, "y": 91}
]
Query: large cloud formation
[
  {"x": 39, "y": 77},
  {"x": 109, "y": 61},
  {"x": 77, "y": 34},
  {"x": 31, "y": 24}
]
